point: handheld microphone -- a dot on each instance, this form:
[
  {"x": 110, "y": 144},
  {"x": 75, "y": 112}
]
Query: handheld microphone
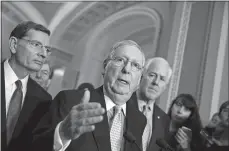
[
  {"x": 164, "y": 145},
  {"x": 130, "y": 138}
]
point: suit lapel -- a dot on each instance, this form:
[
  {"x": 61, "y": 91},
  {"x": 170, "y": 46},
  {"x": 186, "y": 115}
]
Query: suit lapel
[
  {"x": 135, "y": 122},
  {"x": 29, "y": 105},
  {"x": 101, "y": 133},
  {"x": 156, "y": 125},
  {"x": 3, "y": 109}
]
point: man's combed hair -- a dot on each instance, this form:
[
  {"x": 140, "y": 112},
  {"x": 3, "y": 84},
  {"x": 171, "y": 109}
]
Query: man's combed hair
[{"x": 21, "y": 29}]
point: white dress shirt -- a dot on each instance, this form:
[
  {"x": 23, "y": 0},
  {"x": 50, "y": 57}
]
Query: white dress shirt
[
  {"x": 10, "y": 86},
  {"x": 58, "y": 144}
]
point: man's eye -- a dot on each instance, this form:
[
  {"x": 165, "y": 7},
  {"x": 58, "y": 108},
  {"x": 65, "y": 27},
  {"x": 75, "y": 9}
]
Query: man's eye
[
  {"x": 119, "y": 59},
  {"x": 35, "y": 44},
  {"x": 136, "y": 65}
]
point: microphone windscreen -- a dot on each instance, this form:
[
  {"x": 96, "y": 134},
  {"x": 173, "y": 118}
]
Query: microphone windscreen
[
  {"x": 162, "y": 143},
  {"x": 129, "y": 136}
]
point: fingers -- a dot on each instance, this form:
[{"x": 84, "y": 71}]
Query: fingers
[
  {"x": 182, "y": 134},
  {"x": 85, "y": 106},
  {"x": 86, "y": 96},
  {"x": 84, "y": 129},
  {"x": 89, "y": 121}
]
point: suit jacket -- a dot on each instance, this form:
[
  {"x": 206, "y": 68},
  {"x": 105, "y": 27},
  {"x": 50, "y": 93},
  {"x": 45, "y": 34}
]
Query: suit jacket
[
  {"x": 36, "y": 103},
  {"x": 160, "y": 127},
  {"x": 99, "y": 139}
]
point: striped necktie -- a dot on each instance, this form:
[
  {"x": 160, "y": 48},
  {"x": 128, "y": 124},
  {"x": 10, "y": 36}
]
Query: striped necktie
[
  {"x": 146, "y": 133},
  {"x": 116, "y": 129}
]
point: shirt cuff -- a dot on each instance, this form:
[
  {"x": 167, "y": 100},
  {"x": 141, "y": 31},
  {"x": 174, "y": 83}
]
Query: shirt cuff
[{"x": 58, "y": 143}]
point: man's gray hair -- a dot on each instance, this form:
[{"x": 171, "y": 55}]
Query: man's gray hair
[
  {"x": 149, "y": 62},
  {"x": 121, "y": 44}
]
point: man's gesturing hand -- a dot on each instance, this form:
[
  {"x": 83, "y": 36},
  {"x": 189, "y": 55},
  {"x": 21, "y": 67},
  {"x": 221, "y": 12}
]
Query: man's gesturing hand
[{"x": 81, "y": 118}]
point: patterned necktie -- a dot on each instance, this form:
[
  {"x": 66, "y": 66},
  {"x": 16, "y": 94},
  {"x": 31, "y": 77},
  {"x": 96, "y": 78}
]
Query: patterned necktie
[
  {"x": 116, "y": 129},
  {"x": 146, "y": 133},
  {"x": 14, "y": 110}
]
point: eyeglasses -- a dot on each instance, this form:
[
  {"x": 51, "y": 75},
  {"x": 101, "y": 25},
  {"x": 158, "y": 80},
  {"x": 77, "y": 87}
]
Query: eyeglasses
[
  {"x": 120, "y": 61},
  {"x": 39, "y": 46}
]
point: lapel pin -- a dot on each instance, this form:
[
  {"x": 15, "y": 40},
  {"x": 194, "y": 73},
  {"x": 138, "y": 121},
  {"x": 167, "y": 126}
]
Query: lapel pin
[{"x": 158, "y": 117}]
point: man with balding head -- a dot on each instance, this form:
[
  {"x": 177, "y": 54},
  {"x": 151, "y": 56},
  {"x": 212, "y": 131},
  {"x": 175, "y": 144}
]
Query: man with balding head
[{"x": 154, "y": 81}]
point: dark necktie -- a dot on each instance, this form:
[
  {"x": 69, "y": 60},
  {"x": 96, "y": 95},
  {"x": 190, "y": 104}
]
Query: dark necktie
[{"x": 14, "y": 110}]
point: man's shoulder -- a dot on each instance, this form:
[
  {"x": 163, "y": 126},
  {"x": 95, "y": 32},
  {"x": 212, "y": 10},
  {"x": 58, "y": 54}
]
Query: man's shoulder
[
  {"x": 161, "y": 112},
  {"x": 34, "y": 89}
]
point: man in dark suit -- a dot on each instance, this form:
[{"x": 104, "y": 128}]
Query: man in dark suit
[
  {"x": 77, "y": 116},
  {"x": 23, "y": 101},
  {"x": 155, "y": 78}
]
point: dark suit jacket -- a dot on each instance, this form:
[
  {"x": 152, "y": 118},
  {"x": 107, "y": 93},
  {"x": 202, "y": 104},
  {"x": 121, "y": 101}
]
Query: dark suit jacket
[
  {"x": 99, "y": 139},
  {"x": 36, "y": 103},
  {"x": 160, "y": 124}
]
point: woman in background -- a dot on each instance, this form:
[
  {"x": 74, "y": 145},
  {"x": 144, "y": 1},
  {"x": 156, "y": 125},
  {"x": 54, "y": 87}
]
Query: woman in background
[
  {"x": 219, "y": 134},
  {"x": 185, "y": 124}
]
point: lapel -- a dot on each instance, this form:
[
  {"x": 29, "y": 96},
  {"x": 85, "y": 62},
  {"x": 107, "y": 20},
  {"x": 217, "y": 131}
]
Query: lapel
[
  {"x": 101, "y": 133},
  {"x": 3, "y": 109},
  {"x": 135, "y": 123},
  {"x": 30, "y": 103},
  {"x": 157, "y": 126}
]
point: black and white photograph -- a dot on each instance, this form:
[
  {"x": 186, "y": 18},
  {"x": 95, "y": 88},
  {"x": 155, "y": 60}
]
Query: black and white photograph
[{"x": 114, "y": 75}]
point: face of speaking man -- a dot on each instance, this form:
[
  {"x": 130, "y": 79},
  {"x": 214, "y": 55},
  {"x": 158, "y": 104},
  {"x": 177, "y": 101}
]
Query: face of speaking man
[
  {"x": 154, "y": 80},
  {"x": 29, "y": 52},
  {"x": 123, "y": 73}
]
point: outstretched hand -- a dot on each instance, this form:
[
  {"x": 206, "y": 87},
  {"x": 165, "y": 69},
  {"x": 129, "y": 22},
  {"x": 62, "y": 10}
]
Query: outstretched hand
[{"x": 81, "y": 118}]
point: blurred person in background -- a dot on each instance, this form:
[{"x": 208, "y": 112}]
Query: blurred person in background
[
  {"x": 219, "y": 135},
  {"x": 43, "y": 76},
  {"x": 185, "y": 124},
  {"x": 23, "y": 101}
]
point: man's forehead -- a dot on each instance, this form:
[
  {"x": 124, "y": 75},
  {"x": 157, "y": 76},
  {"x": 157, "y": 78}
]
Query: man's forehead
[
  {"x": 37, "y": 35},
  {"x": 159, "y": 67},
  {"x": 131, "y": 52}
]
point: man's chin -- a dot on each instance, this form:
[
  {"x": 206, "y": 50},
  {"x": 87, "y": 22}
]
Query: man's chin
[{"x": 121, "y": 91}]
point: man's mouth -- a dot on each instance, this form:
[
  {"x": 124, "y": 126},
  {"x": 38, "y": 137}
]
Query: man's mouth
[
  {"x": 123, "y": 81},
  {"x": 38, "y": 62}
]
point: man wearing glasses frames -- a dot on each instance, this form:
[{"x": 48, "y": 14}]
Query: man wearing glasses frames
[
  {"x": 23, "y": 102},
  {"x": 98, "y": 119}
]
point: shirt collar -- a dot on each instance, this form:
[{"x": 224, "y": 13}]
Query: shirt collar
[
  {"x": 12, "y": 77},
  {"x": 110, "y": 104},
  {"x": 141, "y": 103}
]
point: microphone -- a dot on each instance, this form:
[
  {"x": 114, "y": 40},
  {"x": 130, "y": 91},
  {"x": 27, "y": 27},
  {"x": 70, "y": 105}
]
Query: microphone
[
  {"x": 163, "y": 144},
  {"x": 130, "y": 138}
]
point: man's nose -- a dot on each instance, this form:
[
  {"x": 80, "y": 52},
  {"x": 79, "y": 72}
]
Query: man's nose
[
  {"x": 156, "y": 80},
  {"x": 43, "y": 53},
  {"x": 127, "y": 67}
]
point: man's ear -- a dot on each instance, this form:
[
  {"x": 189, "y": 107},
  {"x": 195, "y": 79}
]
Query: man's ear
[{"x": 13, "y": 44}]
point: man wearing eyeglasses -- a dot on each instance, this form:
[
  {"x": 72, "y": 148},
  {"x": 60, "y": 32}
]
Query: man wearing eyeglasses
[
  {"x": 23, "y": 101},
  {"x": 43, "y": 76},
  {"x": 99, "y": 119}
]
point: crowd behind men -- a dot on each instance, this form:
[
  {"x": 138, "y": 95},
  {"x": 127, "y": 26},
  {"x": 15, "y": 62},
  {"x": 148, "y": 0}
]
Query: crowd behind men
[{"x": 120, "y": 115}]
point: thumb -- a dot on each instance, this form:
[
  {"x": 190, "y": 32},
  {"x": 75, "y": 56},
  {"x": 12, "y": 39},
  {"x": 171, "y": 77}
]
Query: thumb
[{"x": 86, "y": 96}]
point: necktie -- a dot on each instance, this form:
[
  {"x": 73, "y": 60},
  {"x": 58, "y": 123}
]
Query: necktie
[
  {"x": 116, "y": 129},
  {"x": 14, "y": 110},
  {"x": 146, "y": 133}
]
